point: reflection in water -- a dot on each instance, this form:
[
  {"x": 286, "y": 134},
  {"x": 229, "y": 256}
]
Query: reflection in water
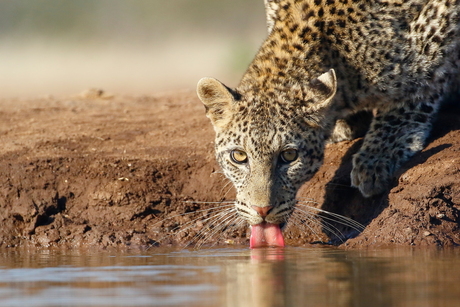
[
  {"x": 259, "y": 282},
  {"x": 273, "y": 278},
  {"x": 317, "y": 276},
  {"x": 330, "y": 277}
]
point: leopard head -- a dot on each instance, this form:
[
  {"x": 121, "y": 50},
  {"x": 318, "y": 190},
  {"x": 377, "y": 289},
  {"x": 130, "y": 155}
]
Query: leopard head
[{"x": 269, "y": 142}]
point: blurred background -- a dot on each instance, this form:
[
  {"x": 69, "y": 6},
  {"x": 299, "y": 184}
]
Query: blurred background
[{"x": 63, "y": 47}]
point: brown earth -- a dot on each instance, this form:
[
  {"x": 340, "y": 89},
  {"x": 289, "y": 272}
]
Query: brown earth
[{"x": 98, "y": 170}]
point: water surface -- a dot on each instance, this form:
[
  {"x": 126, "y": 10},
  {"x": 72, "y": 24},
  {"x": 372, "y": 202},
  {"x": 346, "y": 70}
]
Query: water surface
[{"x": 302, "y": 276}]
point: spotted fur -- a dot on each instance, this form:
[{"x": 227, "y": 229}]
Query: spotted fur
[{"x": 322, "y": 62}]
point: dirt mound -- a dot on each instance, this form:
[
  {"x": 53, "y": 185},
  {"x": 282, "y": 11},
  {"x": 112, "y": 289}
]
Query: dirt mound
[{"x": 104, "y": 170}]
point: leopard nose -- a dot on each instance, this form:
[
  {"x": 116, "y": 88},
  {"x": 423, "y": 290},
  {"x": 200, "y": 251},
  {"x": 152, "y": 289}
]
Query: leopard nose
[{"x": 262, "y": 211}]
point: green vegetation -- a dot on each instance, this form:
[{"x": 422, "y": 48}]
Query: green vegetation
[
  {"x": 121, "y": 20},
  {"x": 65, "y": 46}
]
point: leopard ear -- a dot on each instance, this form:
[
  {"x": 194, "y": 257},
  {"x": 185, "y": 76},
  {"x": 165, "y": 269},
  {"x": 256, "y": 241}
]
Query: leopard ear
[
  {"x": 324, "y": 87},
  {"x": 271, "y": 8},
  {"x": 217, "y": 99}
]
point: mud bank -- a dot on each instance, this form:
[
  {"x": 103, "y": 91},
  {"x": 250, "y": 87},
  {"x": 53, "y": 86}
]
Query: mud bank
[{"x": 99, "y": 170}]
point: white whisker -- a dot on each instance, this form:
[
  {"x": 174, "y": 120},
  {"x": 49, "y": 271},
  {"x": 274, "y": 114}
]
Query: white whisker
[
  {"x": 188, "y": 225},
  {"x": 217, "y": 218},
  {"x": 222, "y": 222},
  {"x": 306, "y": 199},
  {"x": 326, "y": 225},
  {"x": 228, "y": 190},
  {"x": 215, "y": 211},
  {"x": 227, "y": 224},
  {"x": 208, "y": 202},
  {"x": 223, "y": 219},
  {"x": 337, "y": 218},
  {"x": 297, "y": 217},
  {"x": 194, "y": 211}
]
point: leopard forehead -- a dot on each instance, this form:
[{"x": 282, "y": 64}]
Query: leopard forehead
[{"x": 266, "y": 129}]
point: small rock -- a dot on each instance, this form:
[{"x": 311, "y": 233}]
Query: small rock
[
  {"x": 408, "y": 230},
  {"x": 95, "y": 93}
]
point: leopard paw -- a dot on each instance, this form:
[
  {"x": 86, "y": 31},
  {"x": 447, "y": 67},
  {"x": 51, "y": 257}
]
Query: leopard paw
[{"x": 370, "y": 176}]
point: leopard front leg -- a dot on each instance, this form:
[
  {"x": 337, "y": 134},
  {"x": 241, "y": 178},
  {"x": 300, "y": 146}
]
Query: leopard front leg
[{"x": 394, "y": 136}]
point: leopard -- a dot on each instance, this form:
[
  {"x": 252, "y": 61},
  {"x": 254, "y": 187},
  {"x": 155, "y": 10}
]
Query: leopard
[{"x": 323, "y": 62}]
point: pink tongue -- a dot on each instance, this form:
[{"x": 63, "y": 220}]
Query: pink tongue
[{"x": 266, "y": 234}]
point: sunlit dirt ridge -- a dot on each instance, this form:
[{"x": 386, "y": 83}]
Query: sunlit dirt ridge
[{"x": 112, "y": 171}]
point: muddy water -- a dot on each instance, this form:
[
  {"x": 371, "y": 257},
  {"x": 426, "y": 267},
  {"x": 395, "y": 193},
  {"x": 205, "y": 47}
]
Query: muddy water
[{"x": 313, "y": 276}]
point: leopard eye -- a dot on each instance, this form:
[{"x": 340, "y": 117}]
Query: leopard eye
[
  {"x": 239, "y": 156},
  {"x": 289, "y": 155}
]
